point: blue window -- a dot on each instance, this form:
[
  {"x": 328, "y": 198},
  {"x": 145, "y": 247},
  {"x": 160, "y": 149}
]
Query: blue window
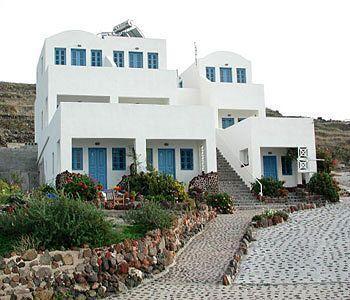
[
  {"x": 227, "y": 122},
  {"x": 77, "y": 159},
  {"x": 118, "y": 57},
  {"x": 78, "y": 57},
  {"x": 241, "y": 119},
  {"x": 186, "y": 156},
  {"x": 118, "y": 159},
  {"x": 60, "y": 56},
  {"x": 152, "y": 60},
  {"x": 135, "y": 59},
  {"x": 210, "y": 73},
  {"x": 241, "y": 75},
  {"x": 149, "y": 157},
  {"x": 225, "y": 74},
  {"x": 96, "y": 58},
  {"x": 287, "y": 168}
]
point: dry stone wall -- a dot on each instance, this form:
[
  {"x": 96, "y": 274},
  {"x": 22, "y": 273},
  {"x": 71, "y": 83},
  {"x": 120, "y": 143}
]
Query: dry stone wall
[{"x": 87, "y": 273}]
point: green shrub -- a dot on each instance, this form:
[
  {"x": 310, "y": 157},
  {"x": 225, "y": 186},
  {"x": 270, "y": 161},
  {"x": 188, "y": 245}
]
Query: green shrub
[
  {"x": 323, "y": 184},
  {"x": 151, "y": 216},
  {"x": 80, "y": 186},
  {"x": 154, "y": 184},
  {"x": 56, "y": 223},
  {"x": 10, "y": 193},
  {"x": 271, "y": 187},
  {"x": 222, "y": 202}
]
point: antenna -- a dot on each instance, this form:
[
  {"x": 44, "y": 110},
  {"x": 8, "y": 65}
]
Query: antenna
[{"x": 195, "y": 53}]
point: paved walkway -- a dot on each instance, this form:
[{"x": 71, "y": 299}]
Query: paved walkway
[{"x": 306, "y": 258}]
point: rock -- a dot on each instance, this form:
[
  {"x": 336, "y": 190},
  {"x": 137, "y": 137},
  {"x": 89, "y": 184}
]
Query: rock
[
  {"x": 102, "y": 291},
  {"x": 30, "y": 255},
  {"x": 44, "y": 272},
  {"x": 43, "y": 295},
  {"x": 80, "y": 268},
  {"x": 45, "y": 259},
  {"x": 152, "y": 251},
  {"x": 168, "y": 257},
  {"x": 92, "y": 277},
  {"x": 226, "y": 280},
  {"x": 87, "y": 253},
  {"x": 92, "y": 293},
  {"x": 135, "y": 274},
  {"x": 34, "y": 263},
  {"x": 68, "y": 259},
  {"x": 57, "y": 257},
  {"x": 122, "y": 288},
  {"x": 81, "y": 297},
  {"x": 21, "y": 264},
  {"x": 81, "y": 287},
  {"x": 123, "y": 267},
  {"x": 119, "y": 257}
]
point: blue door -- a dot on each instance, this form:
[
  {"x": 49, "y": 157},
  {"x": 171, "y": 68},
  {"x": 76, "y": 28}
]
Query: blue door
[
  {"x": 166, "y": 161},
  {"x": 98, "y": 165},
  {"x": 270, "y": 166},
  {"x": 227, "y": 122}
]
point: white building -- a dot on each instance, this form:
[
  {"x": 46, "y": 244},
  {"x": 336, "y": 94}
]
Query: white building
[{"x": 100, "y": 96}]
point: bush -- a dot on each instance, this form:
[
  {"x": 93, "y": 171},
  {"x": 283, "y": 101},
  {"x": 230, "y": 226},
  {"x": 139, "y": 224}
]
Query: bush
[
  {"x": 79, "y": 186},
  {"x": 151, "y": 216},
  {"x": 323, "y": 184},
  {"x": 56, "y": 223},
  {"x": 222, "y": 202},
  {"x": 154, "y": 184},
  {"x": 10, "y": 193},
  {"x": 271, "y": 187}
]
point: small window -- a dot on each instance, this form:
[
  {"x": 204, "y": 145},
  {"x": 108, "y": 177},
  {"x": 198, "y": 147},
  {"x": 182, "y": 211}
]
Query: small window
[
  {"x": 96, "y": 58},
  {"x": 149, "y": 158},
  {"x": 241, "y": 75},
  {"x": 118, "y": 57},
  {"x": 287, "y": 168},
  {"x": 225, "y": 74},
  {"x": 186, "y": 159},
  {"x": 181, "y": 84},
  {"x": 78, "y": 57},
  {"x": 118, "y": 159},
  {"x": 210, "y": 73},
  {"x": 227, "y": 122},
  {"x": 241, "y": 119},
  {"x": 152, "y": 60},
  {"x": 135, "y": 59},
  {"x": 77, "y": 159},
  {"x": 60, "y": 56}
]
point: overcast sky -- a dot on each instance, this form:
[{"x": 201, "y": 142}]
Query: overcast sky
[{"x": 299, "y": 49}]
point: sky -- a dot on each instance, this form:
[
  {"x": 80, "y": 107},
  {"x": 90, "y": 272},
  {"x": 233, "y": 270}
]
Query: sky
[{"x": 300, "y": 49}]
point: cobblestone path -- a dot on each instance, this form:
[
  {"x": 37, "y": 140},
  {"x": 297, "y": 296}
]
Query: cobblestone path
[{"x": 305, "y": 258}]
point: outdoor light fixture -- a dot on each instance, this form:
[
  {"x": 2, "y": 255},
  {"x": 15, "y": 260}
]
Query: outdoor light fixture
[
  {"x": 97, "y": 143},
  {"x": 166, "y": 144}
]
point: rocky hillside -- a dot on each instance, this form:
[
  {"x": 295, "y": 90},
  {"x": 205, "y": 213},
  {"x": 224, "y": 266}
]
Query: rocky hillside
[
  {"x": 17, "y": 123},
  {"x": 16, "y": 113},
  {"x": 331, "y": 134}
]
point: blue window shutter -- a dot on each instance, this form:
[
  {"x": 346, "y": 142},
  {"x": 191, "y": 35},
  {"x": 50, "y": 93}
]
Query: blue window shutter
[
  {"x": 186, "y": 156},
  {"x": 227, "y": 122},
  {"x": 287, "y": 168},
  {"x": 225, "y": 74},
  {"x": 241, "y": 75},
  {"x": 77, "y": 159},
  {"x": 60, "y": 56},
  {"x": 78, "y": 57},
  {"x": 152, "y": 60},
  {"x": 135, "y": 59},
  {"x": 118, "y": 159},
  {"x": 96, "y": 58},
  {"x": 149, "y": 157},
  {"x": 210, "y": 73},
  {"x": 118, "y": 57}
]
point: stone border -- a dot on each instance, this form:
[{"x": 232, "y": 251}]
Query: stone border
[
  {"x": 248, "y": 237},
  {"x": 90, "y": 273}
]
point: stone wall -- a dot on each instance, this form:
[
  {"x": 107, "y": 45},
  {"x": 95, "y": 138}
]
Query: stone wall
[
  {"x": 22, "y": 162},
  {"x": 90, "y": 273}
]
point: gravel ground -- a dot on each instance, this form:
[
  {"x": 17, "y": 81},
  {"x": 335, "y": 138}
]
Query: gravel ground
[{"x": 304, "y": 258}]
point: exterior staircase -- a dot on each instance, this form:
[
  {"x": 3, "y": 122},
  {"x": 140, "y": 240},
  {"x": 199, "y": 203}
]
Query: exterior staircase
[{"x": 231, "y": 183}]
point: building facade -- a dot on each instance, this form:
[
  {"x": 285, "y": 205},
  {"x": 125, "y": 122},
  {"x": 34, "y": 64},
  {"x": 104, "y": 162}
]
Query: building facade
[{"x": 105, "y": 100}]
